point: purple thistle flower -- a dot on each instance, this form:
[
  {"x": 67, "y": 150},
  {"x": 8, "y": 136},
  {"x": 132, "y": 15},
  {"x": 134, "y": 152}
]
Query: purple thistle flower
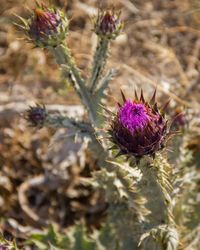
[
  {"x": 139, "y": 128},
  {"x": 133, "y": 115},
  {"x": 37, "y": 115},
  {"x": 108, "y": 24}
]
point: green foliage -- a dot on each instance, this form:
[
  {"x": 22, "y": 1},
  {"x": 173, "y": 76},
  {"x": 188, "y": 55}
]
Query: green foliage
[
  {"x": 81, "y": 240},
  {"x": 75, "y": 239},
  {"x": 107, "y": 238},
  {"x": 50, "y": 238}
]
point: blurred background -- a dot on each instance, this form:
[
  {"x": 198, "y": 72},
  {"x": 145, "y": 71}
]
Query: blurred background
[{"x": 160, "y": 46}]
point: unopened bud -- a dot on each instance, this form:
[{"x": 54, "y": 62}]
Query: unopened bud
[
  {"x": 37, "y": 115},
  {"x": 46, "y": 27},
  {"x": 108, "y": 24}
]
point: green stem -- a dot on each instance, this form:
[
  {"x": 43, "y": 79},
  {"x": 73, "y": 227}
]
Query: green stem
[
  {"x": 64, "y": 58},
  {"x": 59, "y": 121},
  {"x": 155, "y": 185},
  {"x": 99, "y": 62},
  {"x": 163, "y": 175}
]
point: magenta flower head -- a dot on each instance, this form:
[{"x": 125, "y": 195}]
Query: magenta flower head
[
  {"x": 46, "y": 27},
  {"x": 139, "y": 128},
  {"x": 108, "y": 24},
  {"x": 37, "y": 116}
]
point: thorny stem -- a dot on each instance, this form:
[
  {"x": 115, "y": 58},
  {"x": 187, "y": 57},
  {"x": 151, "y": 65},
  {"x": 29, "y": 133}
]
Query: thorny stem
[
  {"x": 155, "y": 185},
  {"x": 58, "y": 121},
  {"x": 63, "y": 57},
  {"x": 163, "y": 174},
  {"x": 65, "y": 60},
  {"x": 82, "y": 127},
  {"x": 99, "y": 62}
]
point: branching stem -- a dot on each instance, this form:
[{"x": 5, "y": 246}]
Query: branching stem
[
  {"x": 155, "y": 185},
  {"x": 99, "y": 62},
  {"x": 64, "y": 58}
]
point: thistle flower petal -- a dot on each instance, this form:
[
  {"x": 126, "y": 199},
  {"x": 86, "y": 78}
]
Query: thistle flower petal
[{"x": 139, "y": 128}]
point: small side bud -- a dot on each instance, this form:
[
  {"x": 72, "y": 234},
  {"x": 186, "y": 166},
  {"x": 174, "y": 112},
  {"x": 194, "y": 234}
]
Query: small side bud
[
  {"x": 37, "y": 116},
  {"x": 46, "y": 27},
  {"x": 108, "y": 24},
  {"x": 179, "y": 120}
]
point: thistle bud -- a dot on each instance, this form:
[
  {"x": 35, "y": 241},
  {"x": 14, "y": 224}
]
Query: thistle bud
[
  {"x": 139, "y": 128},
  {"x": 37, "y": 116},
  {"x": 108, "y": 24},
  {"x": 179, "y": 120},
  {"x": 47, "y": 26}
]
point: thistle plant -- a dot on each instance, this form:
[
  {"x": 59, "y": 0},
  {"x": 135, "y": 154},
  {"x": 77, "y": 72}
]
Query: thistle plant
[{"x": 139, "y": 181}]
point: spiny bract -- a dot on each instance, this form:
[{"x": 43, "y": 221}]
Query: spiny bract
[
  {"x": 108, "y": 24},
  {"x": 36, "y": 115},
  {"x": 46, "y": 27}
]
